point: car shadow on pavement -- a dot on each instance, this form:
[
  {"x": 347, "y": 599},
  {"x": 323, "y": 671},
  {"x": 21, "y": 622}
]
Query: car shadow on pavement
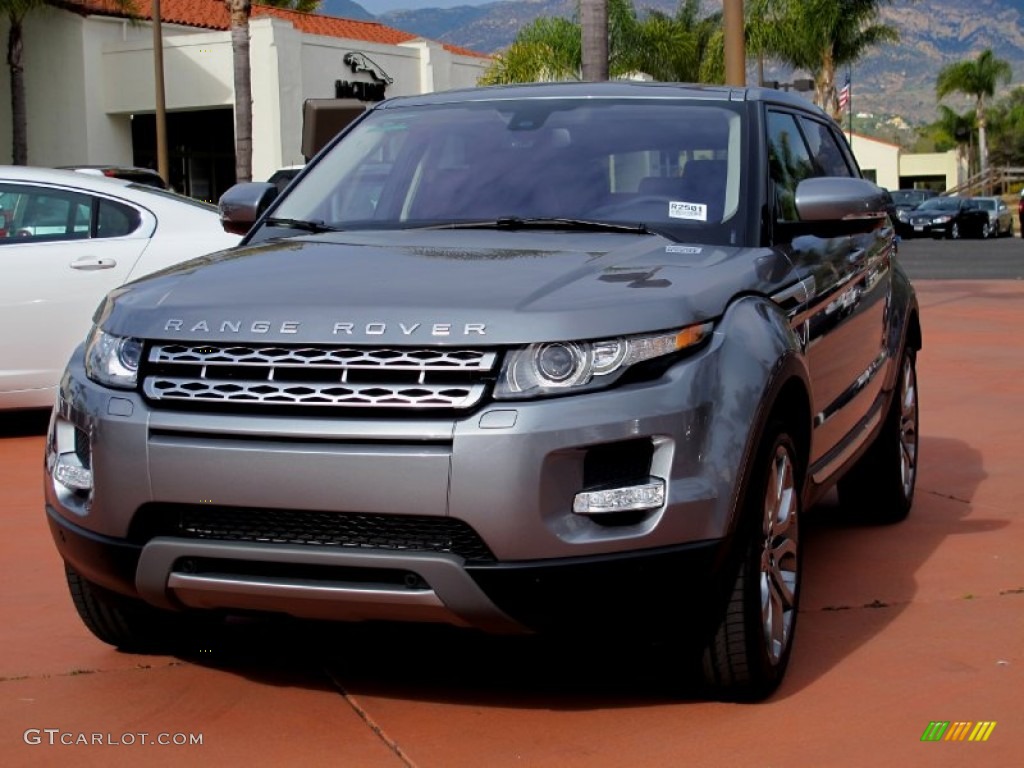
[
  {"x": 24, "y": 423},
  {"x": 849, "y": 566},
  {"x": 870, "y": 570},
  {"x": 444, "y": 664}
]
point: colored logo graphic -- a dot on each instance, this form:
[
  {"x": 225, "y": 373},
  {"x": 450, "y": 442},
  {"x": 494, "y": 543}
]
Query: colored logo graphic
[{"x": 939, "y": 730}]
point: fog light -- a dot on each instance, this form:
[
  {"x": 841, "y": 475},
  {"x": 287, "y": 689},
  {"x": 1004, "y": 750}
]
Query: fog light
[
  {"x": 72, "y": 476},
  {"x": 627, "y": 498}
]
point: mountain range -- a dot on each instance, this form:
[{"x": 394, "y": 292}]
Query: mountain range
[{"x": 897, "y": 79}]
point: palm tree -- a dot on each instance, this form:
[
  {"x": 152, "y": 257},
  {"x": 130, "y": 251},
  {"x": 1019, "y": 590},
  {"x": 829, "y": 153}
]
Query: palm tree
[
  {"x": 239, "y": 12},
  {"x": 17, "y": 11},
  {"x": 1005, "y": 130},
  {"x": 957, "y": 129},
  {"x": 594, "y": 36},
  {"x": 688, "y": 47},
  {"x": 819, "y": 37},
  {"x": 549, "y": 48},
  {"x": 685, "y": 47},
  {"x": 977, "y": 78}
]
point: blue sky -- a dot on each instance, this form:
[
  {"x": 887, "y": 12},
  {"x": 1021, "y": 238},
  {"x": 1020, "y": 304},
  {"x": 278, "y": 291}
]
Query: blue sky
[{"x": 380, "y": 6}]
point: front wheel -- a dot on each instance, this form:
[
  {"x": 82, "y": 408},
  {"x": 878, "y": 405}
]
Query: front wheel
[
  {"x": 880, "y": 487},
  {"x": 954, "y": 231},
  {"x": 131, "y": 624},
  {"x": 747, "y": 655}
]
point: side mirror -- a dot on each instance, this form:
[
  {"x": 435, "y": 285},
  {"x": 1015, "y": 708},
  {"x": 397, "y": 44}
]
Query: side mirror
[
  {"x": 839, "y": 198},
  {"x": 243, "y": 203}
]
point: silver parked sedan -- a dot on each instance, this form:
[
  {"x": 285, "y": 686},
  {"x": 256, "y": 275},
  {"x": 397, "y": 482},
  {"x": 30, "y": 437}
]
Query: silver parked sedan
[{"x": 1000, "y": 217}]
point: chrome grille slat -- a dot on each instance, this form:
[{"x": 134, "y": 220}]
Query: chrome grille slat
[
  {"x": 276, "y": 393},
  {"x": 325, "y": 357},
  {"x": 334, "y": 376}
]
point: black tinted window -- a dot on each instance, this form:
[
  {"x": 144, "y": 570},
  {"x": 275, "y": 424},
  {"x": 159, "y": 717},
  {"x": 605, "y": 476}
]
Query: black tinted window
[
  {"x": 824, "y": 147},
  {"x": 789, "y": 162},
  {"x": 32, "y": 213},
  {"x": 116, "y": 220}
]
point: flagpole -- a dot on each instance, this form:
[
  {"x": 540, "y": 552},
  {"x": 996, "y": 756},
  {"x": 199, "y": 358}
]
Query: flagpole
[{"x": 849, "y": 102}]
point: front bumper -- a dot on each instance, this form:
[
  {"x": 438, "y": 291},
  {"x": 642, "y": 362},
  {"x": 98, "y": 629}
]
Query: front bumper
[
  {"x": 614, "y": 594},
  {"x": 926, "y": 229},
  {"x": 509, "y": 472}
]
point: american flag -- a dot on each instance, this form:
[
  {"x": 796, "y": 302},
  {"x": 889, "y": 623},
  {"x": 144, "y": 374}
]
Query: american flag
[{"x": 844, "y": 94}]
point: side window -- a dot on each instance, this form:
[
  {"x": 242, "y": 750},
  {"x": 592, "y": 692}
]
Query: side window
[
  {"x": 116, "y": 220},
  {"x": 37, "y": 213},
  {"x": 825, "y": 148},
  {"x": 789, "y": 163}
]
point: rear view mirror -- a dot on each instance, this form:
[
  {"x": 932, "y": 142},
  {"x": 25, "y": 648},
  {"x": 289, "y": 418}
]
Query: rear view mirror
[
  {"x": 243, "y": 204},
  {"x": 839, "y": 198}
]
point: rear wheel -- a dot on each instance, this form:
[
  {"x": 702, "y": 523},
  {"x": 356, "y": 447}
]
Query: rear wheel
[
  {"x": 880, "y": 488},
  {"x": 127, "y": 623},
  {"x": 747, "y": 655}
]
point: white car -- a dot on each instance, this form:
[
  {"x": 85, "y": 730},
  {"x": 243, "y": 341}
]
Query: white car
[{"x": 66, "y": 239}]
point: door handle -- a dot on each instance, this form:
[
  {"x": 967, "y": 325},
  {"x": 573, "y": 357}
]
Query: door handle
[{"x": 93, "y": 262}]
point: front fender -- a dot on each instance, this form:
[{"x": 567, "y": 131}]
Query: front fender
[{"x": 763, "y": 373}]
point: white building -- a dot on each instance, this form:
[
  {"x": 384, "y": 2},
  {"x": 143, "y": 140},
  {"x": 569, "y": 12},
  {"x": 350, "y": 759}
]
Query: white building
[
  {"x": 90, "y": 94},
  {"x": 889, "y": 166}
]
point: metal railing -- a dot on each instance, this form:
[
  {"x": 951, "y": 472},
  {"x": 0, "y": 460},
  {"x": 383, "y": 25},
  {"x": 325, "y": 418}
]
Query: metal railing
[{"x": 995, "y": 181}]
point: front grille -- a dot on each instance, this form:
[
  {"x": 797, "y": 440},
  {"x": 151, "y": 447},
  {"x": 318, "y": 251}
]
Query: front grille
[
  {"x": 413, "y": 533},
  {"x": 333, "y": 376}
]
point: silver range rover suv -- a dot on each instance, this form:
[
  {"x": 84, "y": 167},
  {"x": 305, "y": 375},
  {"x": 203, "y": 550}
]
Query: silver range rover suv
[{"x": 564, "y": 357}]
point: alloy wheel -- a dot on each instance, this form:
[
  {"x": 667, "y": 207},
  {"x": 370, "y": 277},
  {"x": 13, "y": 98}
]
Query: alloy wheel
[
  {"x": 908, "y": 426},
  {"x": 778, "y": 577}
]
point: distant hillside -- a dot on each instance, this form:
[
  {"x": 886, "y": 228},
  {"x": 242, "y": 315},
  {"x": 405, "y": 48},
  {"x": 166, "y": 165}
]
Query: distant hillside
[
  {"x": 444, "y": 24},
  {"x": 898, "y": 78},
  {"x": 345, "y": 9}
]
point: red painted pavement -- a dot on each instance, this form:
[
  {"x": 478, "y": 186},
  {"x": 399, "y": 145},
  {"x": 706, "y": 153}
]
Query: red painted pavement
[{"x": 900, "y": 626}]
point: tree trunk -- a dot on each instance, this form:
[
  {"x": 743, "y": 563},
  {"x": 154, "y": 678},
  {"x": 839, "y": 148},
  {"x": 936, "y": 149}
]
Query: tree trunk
[
  {"x": 826, "y": 87},
  {"x": 979, "y": 112},
  {"x": 594, "y": 24},
  {"x": 19, "y": 115},
  {"x": 240, "y": 11}
]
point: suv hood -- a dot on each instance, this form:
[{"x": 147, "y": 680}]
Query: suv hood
[{"x": 442, "y": 287}]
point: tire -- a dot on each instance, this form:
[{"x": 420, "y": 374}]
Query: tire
[
  {"x": 880, "y": 487},
  {"x": 129, "y": 624},
  {"x": 746, "y": 656},
  {"x": 986, "y": 231},
  {"x": 954, "y": 231}
]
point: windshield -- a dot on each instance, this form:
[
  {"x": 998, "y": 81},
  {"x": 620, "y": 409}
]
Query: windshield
[
  {"x": 940, "y": 204},
  {"x": 989, "y": 204},
  {"x": 672, "y": 165},
  {"x": 908, "y": 196}
]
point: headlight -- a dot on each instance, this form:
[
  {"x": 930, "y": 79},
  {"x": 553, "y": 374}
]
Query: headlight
[
  {"x": 112, "y": 360},
  {"x": 902, "y": 215},
  {"x": 941, "y": 219},
  {"x": 556, "y": 367}
]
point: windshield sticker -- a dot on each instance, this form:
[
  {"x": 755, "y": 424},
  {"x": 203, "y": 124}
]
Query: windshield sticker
[
  {"x": 689, "y": 250},
  {"x": 690, "y": 211}
]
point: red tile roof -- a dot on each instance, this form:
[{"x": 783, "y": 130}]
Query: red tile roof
[{"x": 212, "y": 14}]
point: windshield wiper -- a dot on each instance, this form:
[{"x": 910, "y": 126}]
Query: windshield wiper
[
  {"x": 515, "y": 222},
  {"x": 306, "y": 226}
]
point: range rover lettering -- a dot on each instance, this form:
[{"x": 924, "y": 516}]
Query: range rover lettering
[{"x": 536, "y": 359}]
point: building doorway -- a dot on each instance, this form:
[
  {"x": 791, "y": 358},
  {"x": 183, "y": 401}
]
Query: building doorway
[{"x": 200, "y": 150}]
